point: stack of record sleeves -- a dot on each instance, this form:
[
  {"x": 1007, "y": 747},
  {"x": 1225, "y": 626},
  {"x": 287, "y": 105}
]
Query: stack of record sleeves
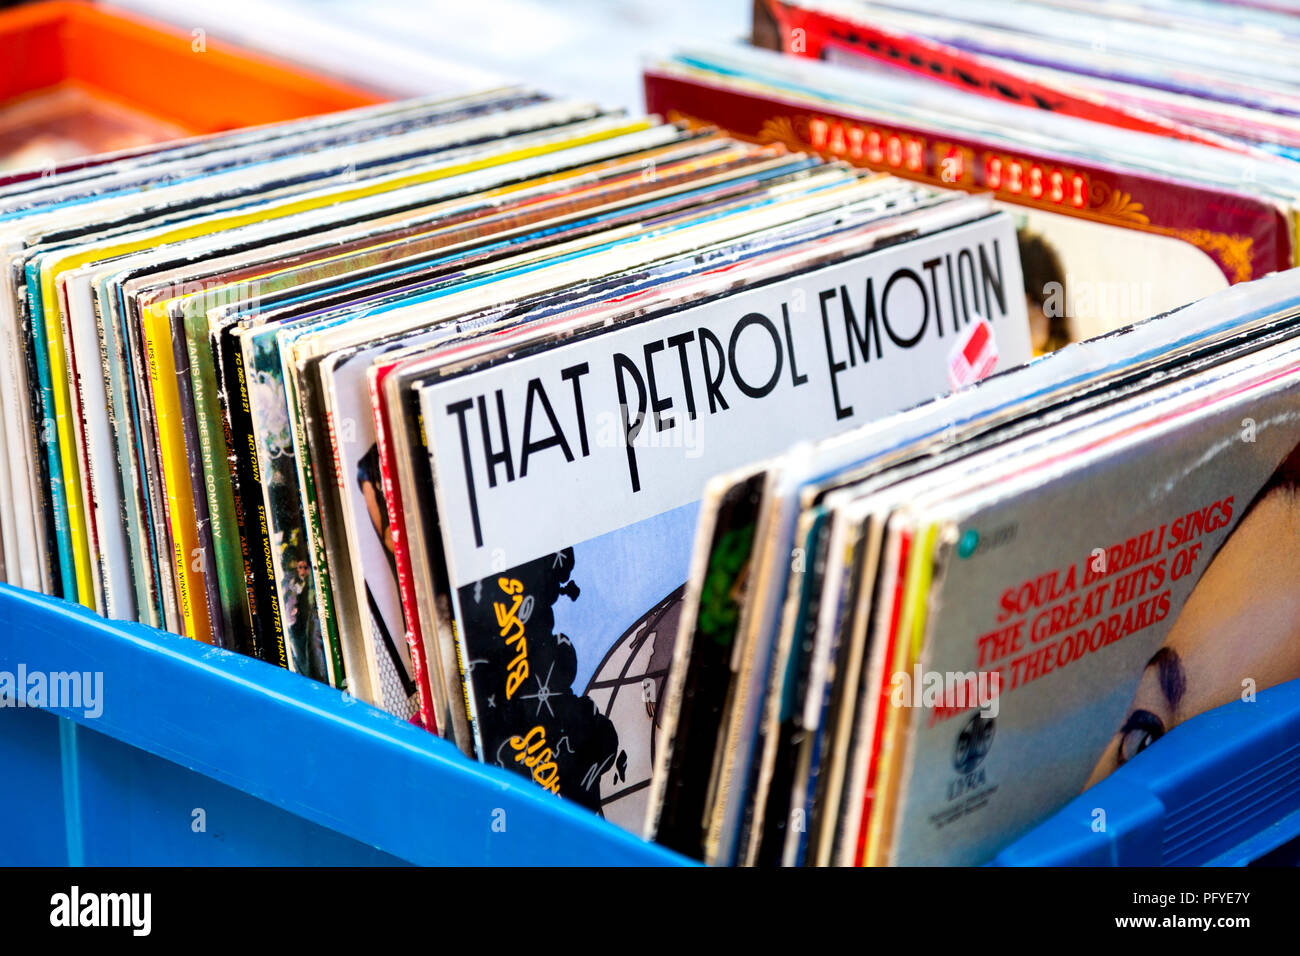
[
  {"x": 913, "y": 643},
  {"x": 420, "y": 400}
]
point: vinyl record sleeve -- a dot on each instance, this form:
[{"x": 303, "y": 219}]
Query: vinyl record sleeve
[
  {"x": 246, "y": 487},
  {"x": 831, "y": 819},
  {"x": 908, "y": 586},
  {"x": 1205, "y": 488},
  {"x": 385, "y": 627},
  {"x": 1280, "y": 331},
  {"x": 870, "y": 35},
  {"x": 277, "y": 386},
  {"x": 701, "y": 670},
  {"x": 1095, "y": 367},
  {"x": 351, "y": 432},
  {"x": 1034, "y": 77},
  {"x": 877, "y": 503},
  {"x": 1204, "y": 61},
  {"x": 464, "y": 545},
  {"x": 643, "y": 249},
  {"x": 774, "y": 807},
  {"x": 33, "y": 569},
  {"x": 420, "y": 548},
  {"x": 809, "y": 764}
]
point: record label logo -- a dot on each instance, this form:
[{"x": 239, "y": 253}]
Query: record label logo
[{"x": 971, "y": 784}]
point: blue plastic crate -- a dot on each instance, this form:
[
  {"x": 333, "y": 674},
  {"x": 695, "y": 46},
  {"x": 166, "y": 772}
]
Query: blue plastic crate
[
  {"x": 1221, "y": 789},
  {"x": 281, "y": 770}
]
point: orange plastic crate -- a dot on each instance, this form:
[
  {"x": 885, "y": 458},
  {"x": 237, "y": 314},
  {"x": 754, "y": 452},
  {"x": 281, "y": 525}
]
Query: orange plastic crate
[{"x": 65, "y": 59}]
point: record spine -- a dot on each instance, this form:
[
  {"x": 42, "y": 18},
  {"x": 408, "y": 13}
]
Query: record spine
[
  {"x": 77, "y": 436},
  {"x": 402, "y": 560},
  {"x": 145, "y": 454},
  {"x": 252, "y": 587},
  {"x": 330, "y": 634},
  {"x": 26, "y": 446},
  {"x": 137, "y": 574},
  {"x": 246, "y": 476},
  {"x": 70, "y": 470},
  {"x": 227, "y": 533},
  {"x": 179, "y": 513},
  {"x": 48, "y": 447},
  {"x": 223, "y": 625}
]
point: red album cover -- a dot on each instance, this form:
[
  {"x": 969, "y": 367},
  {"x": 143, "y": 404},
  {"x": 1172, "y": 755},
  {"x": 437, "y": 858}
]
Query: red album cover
[{"x": 795, "y": 30}]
